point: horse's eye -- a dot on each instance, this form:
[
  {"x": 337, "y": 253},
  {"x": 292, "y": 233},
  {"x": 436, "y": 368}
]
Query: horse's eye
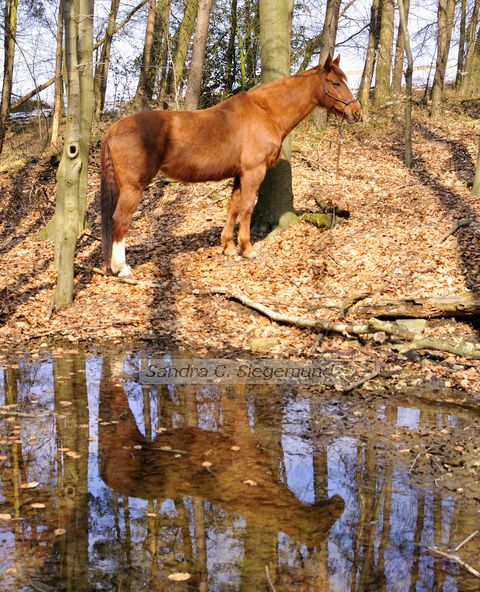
[{"x": 337, "y": 84}]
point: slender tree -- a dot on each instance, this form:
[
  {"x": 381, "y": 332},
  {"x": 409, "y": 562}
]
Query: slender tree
[
  {"x": 58, "y": 89},
  {"x": 399, "y": 54},
  {"x": 402, "y": 8},
  {"x": 182, "y": 43},
  {"x": 231, "y": 57},
  {"x": 275, "y": 195},
  {"x": 329, "y": 34},
  {"x": 140, "y": 99},
  {"x": 11, "y": 8},
  {"x": 472, "y": 52},
  {"x": 101, "y": 70},
  {"x": 194, "y": 85},
  {"x": 160, "y": 48},
  {"x": 461, "y": 42},
  {"x": 370, "y": 59},
  {"x": 384, "y": 57},
  {"x": 445, "y": 14}
]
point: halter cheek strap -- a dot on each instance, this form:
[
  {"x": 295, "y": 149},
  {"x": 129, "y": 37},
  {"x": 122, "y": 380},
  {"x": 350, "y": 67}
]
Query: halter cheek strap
[{"x": 346, "y": 103}]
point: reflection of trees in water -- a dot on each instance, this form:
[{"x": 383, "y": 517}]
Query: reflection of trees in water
[{"x": 159, "y": 511}]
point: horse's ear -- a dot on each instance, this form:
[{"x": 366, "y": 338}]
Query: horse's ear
[
  {"x": 328, "y": 62},
  {"x": 336, "y": 61}
]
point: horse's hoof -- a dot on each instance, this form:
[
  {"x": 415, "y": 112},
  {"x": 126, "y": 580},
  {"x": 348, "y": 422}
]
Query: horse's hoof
[
  {"x": 230, "y": 251},
  {"x": 125, "y": 272},
  {"x": 249, "y": 254}
]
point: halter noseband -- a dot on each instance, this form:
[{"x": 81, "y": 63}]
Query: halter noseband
[{"x": 346, "y": 103}]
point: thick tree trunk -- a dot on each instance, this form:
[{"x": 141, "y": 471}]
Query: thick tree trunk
[
  {"x": 58, "y": 92},
  {"x": 275, "y": 194},
  {"x": 140, "y": 98},
  {"x": 101, "y": 71},
  {"x": 446, "y": 12},
  {"x": 11, "y": 7},
  {"x": 329, "y": 34},
  {"x": 194, "y": 85},
  {"x": 399, "y": 55},
  {"x": 183, "y": 37},
  {"x": 384, "y": 59},
  {"x": 72, "y": 172},
  {"x": 370, "y": 59}
]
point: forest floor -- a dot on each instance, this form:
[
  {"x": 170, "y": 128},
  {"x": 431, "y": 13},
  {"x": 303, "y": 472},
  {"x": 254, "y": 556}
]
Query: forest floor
[{"x": 387, "y": 249}]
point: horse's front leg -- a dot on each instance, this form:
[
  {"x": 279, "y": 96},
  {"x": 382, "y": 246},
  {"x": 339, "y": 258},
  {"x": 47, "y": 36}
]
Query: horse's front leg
[
  {"x": 232, "y": 212},
  {"x": 249, "y": 183}
]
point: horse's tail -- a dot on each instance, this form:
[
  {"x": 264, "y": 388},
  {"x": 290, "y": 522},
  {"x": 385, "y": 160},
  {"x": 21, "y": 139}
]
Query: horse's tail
[{"x": 109, "y": 197}]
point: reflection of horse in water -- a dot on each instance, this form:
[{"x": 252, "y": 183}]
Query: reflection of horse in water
[{"x": 199, "y": 463}]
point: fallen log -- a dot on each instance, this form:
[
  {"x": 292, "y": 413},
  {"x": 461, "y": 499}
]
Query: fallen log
[
  {"x": 462, "y": 305},
  {"x": 403, "y": 340}
]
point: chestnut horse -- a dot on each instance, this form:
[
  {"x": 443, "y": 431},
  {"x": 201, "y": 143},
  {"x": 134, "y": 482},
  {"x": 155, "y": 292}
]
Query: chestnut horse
[{"x": 240, "y": 138}]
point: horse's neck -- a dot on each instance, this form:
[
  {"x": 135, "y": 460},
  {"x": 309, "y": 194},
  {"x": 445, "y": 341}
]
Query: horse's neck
[{"x": 290, "y": 100}]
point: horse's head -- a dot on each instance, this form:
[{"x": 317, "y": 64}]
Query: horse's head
[{"x": 335, "y": 94}]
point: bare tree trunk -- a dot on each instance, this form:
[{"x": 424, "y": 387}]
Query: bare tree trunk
[
  {"x": 276, "y": 194},
  {"x": 231, "y": 60},
  {"x": 461, "y": 43},
  {"x": 384, "y": 58},
  {"x": 476, "y": 183},
  {"x": 252, "y": 20},
  {"x": 160, "y": 49},
  {"x": 71, "y": 175},
  {"x": 446, "y": 12},
  {"x": 329, "y": 34},
  {"x": 11, "y": 7},
  {"x": 183, "y": 37},
  {"x": 140, "y": 96},
  {"x": 101, "y": 72},
  {"x": 367, "y": 75},
  {"x": 472, "y": 47},
  {"x": 58, "y": 92},
  {"x": 194, "y": 85},
  {"x": 408, "y": 83},
  {"x": 399, "y": 56}
]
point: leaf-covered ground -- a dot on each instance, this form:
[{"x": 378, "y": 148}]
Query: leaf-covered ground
[{"x": 388, "y": 247}]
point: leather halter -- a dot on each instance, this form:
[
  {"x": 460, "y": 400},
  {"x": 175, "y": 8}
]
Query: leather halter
[{"x": 337, "y": 99}]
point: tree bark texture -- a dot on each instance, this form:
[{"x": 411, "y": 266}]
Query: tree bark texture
[
  {"x": 384, "y": 58},
  {"x": 472, "y": 53},
  {"x": 195, "y": 75},
  {"x": 183, "y": 37},
  {"x": 101, "y": 71},
  {"x": 275, "y": 195},
  {"x": 11, "y": 7},
  {"x": 140, "y": 98},
  {"x": 370, "y": 59},
  {"x": 329, "y": 35},
  {"x": 58, "y": 91},
  {"x": 446, "y": 12},
  {"x": 399, "y": 55}
]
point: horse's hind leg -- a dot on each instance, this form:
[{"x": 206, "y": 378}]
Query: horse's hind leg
[
  {"x": 250, "y": 182},
  {"x": 232, "y": 212},
  {"x": 126, "y": 206}
]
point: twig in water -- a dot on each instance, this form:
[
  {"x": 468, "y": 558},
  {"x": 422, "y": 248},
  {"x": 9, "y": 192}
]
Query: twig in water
[
  {"x": 456, "y": 559},
  {"x": 270, "y": 583},
  {"x": 466, "y": 540}
]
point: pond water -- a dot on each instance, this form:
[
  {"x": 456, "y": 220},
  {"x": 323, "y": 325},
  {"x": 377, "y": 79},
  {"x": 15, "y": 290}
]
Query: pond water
[{"x": 108, "y": 484}]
